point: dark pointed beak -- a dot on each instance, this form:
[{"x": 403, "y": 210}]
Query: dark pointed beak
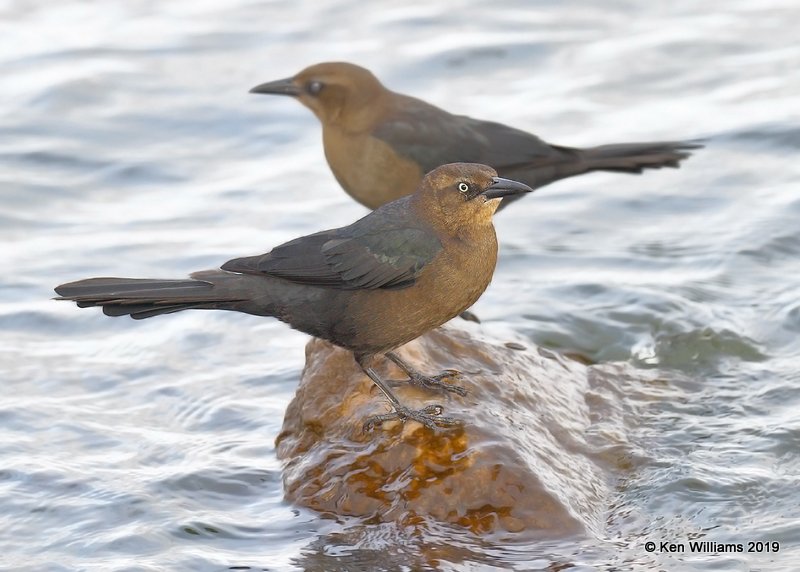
[
  {"x": 278, "y": 87},
  {"x": 505, "y": 187}
]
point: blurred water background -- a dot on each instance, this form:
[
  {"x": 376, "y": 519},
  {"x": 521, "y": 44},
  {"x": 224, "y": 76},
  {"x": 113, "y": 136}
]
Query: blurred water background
[{"x": 130, "y": 146}]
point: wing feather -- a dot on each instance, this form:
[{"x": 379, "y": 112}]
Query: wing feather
[{"x": 374, "y": 252}]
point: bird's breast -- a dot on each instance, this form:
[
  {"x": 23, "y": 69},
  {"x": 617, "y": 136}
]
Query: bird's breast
[
  {"x": 368, "y": 169},
  {"x": 379, "y": 320}
]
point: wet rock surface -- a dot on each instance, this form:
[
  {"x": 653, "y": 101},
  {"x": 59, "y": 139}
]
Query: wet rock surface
[{"x": 535, "y": 453}]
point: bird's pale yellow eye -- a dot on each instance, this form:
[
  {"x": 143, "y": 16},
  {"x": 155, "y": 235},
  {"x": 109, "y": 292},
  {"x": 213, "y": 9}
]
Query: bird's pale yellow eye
[
  {"x": 463, "y": 187},
  {"x": 314, "y": 87}
]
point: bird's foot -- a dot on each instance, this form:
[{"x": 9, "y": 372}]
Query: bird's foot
[
  {"x": 430, "y": 416},
  {"x": 445, "y": 381}
]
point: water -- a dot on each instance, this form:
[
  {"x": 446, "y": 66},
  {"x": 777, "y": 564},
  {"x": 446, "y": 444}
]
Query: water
[{"x": 131, "y": 147}]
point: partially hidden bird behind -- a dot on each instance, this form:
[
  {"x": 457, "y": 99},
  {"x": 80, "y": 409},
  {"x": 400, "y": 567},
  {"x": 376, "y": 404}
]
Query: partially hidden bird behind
[
  {"x": 369, "y": 287},
  {"x": 379, "y": 143}
]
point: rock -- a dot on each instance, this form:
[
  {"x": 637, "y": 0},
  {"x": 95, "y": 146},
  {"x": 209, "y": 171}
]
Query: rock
[{"x": 522, "y": 461}]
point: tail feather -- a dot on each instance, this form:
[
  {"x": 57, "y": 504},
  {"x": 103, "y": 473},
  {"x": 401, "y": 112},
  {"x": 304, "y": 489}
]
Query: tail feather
[
  {"x": 142, "y": 311},
  {"x": 144, "y": 298},
  {"x": 636, "y": 157},
  {"x": 127, "y": 287},
  {"x": 621, "y": 158}
]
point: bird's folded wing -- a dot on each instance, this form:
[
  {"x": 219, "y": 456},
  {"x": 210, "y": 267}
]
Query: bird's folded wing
[
  {"x": 432, "y": 137},
  {"x": 390, "y": 258}
]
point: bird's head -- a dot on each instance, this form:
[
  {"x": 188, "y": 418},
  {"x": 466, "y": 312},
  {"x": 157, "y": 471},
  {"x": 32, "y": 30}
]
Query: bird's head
[
  {"x": 337, "y": 92},
  {"x": 464, "y": 194}
]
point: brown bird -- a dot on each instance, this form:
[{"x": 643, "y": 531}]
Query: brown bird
[
  {"x": 379, "y": 143},
  {"x": 369, "y": 287}
]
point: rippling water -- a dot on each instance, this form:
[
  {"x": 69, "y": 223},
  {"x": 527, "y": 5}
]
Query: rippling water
[{"x": 131, "y": 147}]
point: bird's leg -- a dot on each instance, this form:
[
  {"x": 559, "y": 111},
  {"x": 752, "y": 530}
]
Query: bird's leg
[
  {"x": 430, "y": 416},
  {"x": 436, "y": 382}
]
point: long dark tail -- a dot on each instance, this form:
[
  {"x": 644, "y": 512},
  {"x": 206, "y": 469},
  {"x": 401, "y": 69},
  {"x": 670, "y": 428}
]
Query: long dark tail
[
  {"x": 634, "y": 157},
  {"x": 621, "y": 158},
  {"x": 145, "y": 298}
]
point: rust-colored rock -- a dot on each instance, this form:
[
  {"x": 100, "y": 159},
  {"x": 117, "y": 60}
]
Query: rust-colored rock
[{"x": 520, "y": 461}]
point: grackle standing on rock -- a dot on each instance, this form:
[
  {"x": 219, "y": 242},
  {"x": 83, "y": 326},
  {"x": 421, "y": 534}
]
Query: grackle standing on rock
[
  {"x": 369, "y": 287},
  {"x": 379, "y": 143}
]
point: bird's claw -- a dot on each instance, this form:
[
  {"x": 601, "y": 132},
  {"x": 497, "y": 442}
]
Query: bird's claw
[
  {"x": 429, "y": 416},
  {"x": 445, "y": 381}
]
